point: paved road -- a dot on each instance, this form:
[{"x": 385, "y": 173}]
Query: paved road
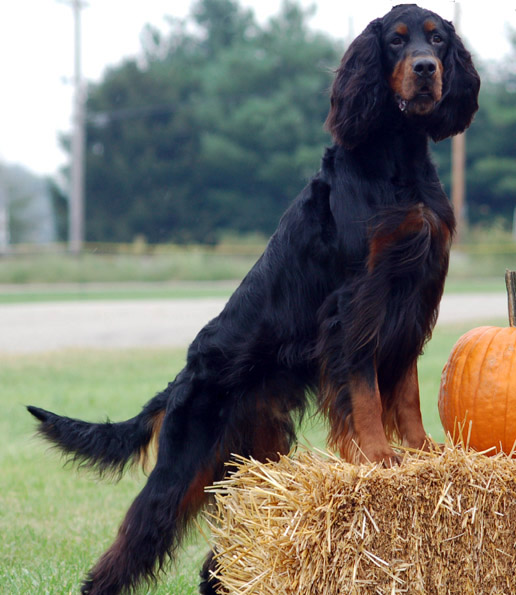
[{"x": 26, "y": 328}]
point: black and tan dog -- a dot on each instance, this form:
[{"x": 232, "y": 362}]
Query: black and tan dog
[{"x": 340, "y": 304}]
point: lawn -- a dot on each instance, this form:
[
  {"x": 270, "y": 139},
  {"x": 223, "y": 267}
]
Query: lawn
[
  {"x": 175, "y": 271},
  {"x": 187, "y": 263},
  {"x": 54, "y": 521},
  {"x": 115, "y": 291}
]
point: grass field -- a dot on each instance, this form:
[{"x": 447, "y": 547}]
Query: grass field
[
  {"x": 478, "y": 267},
  {"x": 186, "y": 264},
  {"x": 115, "y": 291},
  {"x": 178, "y": 289},
  {"x": 54, "y": 521}
]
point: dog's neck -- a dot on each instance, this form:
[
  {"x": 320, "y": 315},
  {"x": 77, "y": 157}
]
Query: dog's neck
[{"x": 396, "y": 153}]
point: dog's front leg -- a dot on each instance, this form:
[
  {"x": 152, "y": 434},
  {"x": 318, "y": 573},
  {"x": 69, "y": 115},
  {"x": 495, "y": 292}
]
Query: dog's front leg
[
  {"x": 407, "y": 411},
  {"x": 368, "y": 432},
  {"x": 355, "y": 412}
]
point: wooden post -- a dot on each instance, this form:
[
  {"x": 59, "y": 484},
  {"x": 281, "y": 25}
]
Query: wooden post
[
  {"x": 459, "y": 182},
  {"x": 458, "y": 192},
  {"x": 510, "y": 283}
]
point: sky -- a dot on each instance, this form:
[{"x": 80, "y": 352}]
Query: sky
[{"x": 37, "y": 58}]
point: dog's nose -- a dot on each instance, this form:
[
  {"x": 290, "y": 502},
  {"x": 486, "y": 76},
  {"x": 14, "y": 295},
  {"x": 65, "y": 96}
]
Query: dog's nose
[{"x": 425, "y": 67}]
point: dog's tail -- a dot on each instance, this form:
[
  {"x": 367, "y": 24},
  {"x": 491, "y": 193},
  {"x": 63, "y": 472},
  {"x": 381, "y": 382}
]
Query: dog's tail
[{"x": 108, "y": 448}]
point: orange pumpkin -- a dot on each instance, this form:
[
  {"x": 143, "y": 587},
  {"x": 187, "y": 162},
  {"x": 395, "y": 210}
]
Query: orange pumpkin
[{"x": 477, "y": 397}]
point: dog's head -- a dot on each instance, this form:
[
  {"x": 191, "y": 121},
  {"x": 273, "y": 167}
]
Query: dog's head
[{"x": 412, "y": 60}]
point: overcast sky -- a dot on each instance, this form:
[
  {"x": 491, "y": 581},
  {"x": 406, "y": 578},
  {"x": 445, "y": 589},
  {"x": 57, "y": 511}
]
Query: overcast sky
[{"x": 36, "y": 49}]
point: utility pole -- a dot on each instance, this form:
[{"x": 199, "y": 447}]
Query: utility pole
[
  {"x": 76, "y": 203},
  {"x": 458, "y": 191}
]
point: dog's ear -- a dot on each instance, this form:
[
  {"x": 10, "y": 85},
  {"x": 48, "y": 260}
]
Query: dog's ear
[
  {"x": 461, "y": 85},
  {"x": 359, "y": 90}
]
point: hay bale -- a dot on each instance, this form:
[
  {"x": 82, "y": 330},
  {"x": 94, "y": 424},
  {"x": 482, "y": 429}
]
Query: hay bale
[{"x": 442, "y": 522}]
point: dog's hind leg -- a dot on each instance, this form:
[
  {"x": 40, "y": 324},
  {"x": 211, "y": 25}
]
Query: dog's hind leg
[
  {"x": 271, "y": 431},
  {"x": 189, "y": 458},
  {"x": 202, "y": 427},
  {"x": 209, "y": 584}
]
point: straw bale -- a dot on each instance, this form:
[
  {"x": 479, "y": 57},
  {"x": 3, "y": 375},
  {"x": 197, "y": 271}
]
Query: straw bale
[{"x": 441, "y": 523}]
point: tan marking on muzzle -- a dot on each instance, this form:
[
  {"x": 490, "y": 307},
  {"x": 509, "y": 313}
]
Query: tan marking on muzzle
[{"x": 407, "y": 84}]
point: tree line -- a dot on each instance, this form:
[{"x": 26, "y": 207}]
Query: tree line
[{"x": 218, "y": 123}]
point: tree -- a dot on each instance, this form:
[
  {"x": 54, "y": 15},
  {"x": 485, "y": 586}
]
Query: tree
[
  {"x": 210, "y": 130},
  {"x": 218, "y": 123},
  {"x": 491, "y": 151},
  {"x": 492, "y": 176}
]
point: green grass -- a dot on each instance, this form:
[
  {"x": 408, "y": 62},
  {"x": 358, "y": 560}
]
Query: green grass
[
  {"x": 118, "y": 291},
  {"x": 456, "y": 284},
  {"x": 479, "y": 266},
  {"x": 186, "y": 264},
  {"x": 179, "y": 289},
  {"x": 188, "y": 272},
  {"x": 54, "y": 521}
]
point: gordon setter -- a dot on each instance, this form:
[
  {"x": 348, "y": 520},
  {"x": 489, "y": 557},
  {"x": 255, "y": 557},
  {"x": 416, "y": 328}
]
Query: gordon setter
[{"x": 339, "y": 305}]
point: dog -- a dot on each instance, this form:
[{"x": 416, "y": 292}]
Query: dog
[{"x": 339, "y": 305}]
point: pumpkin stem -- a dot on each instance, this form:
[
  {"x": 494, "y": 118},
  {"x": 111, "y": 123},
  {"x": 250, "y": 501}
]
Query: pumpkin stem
[{"x": 510, "y": 283}]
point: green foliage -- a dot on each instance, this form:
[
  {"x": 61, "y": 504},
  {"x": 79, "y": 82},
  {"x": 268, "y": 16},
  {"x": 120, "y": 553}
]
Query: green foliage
[
  {"x": 151, "y": 271},
  {"x": 219, "y": 122},
  {"x": 215, "y": 129},
  {"x": 491, "y": 150},
  {"x": 176, "y": 264}
]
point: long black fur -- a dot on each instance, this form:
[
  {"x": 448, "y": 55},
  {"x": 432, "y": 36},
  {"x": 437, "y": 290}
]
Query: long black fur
[
  {"x": 108, "y": 448},
  {"x": 340, "y": 304}
]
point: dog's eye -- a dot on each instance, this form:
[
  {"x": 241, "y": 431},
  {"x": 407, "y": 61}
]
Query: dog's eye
[
  {"x": 397, "y": 41},
  {"x": 436, "y": 38}
]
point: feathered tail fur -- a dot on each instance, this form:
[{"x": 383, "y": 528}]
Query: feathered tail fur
[{"x": 108, "y": 448}]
